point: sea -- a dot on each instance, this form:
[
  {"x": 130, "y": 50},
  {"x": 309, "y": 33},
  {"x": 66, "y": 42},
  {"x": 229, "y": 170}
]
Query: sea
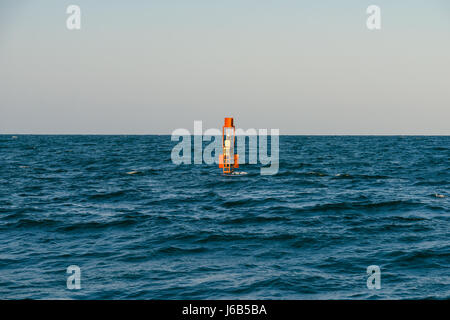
[{"x": 137, "y": 226}]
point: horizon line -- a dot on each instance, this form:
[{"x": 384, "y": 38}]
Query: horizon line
[{"x": 169, "y": 134}]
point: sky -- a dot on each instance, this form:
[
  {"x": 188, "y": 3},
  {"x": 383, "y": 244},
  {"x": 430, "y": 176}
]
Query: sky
[{"x": 150, "y": 67}]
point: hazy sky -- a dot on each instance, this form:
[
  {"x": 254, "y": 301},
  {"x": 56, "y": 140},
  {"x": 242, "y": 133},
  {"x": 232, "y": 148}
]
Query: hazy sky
[{"x": 305, "y": 67}]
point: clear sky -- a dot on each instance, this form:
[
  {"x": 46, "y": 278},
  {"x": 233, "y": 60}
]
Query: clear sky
[{"x": 149, "y": 67}]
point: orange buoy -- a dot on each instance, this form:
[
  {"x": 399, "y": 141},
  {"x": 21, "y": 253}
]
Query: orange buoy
[{"x": 228, "y": 160}]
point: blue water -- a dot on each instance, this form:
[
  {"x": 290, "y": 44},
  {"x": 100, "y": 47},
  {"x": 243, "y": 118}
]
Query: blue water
[{"x": 337, "y": 205}]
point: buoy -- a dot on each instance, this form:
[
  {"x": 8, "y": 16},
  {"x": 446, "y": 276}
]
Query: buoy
[{"x": 228, "y": 160}]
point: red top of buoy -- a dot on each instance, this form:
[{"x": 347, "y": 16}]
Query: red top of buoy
[{"x": 229, "y": 122}]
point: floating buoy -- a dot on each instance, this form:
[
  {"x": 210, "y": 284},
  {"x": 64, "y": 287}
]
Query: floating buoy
[{"x": 228, "y": 160}]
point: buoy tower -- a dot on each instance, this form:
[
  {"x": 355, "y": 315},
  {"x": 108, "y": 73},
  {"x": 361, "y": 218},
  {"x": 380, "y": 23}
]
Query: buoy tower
[{"x": 228, "y": 160}]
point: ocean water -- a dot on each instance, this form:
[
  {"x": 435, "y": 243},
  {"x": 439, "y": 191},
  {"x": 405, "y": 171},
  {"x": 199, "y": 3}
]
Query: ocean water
[{"x": 337, "y": 205}]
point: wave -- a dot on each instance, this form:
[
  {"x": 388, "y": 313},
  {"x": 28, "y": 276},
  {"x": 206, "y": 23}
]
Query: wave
[
  {"x": 172, "y": 250},
  {"x": 361, "y": 206},
  {"x": 255, "y": 219}
]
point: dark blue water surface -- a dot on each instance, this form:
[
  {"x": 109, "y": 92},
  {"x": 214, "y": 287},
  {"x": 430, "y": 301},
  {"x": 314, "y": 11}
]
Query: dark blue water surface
[{"x": 337, "y": 205}]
